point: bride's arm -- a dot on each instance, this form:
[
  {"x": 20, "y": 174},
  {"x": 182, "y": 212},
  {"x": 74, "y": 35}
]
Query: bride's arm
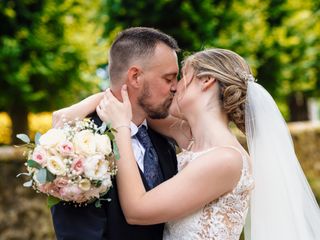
[
  {"x": 197, "y": 184},
  {"x": 79, "y": 110}
]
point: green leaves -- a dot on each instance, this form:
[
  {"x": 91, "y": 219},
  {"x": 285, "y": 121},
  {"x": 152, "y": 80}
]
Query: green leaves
[
  {"x": 50, "y": 177},
  {"x": 110, "y": 135},
  {"x": 51, "y": 201},
  {"x": 41, "y": 175},
  {"x": 33, "y": 164},
  {"x": 109, "y": 131},
  {"x": 97, "y": 183},
  {"x": 44, "y": 175},
  {"x": 37, "y": 137},
  {"x": 98, "y": 204},
  {"x": 28, "y": 184},
  {"x": 116, "y": 150},
  {"x": 24, "y": 138}
]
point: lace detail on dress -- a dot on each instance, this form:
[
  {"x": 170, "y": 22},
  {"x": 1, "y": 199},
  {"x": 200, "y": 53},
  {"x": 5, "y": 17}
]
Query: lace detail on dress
[{"x": 222, "y": 219}]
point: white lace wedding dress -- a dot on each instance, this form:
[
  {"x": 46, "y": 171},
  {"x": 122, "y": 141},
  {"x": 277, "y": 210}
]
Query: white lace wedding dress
[{"x": 222, "y": 219}]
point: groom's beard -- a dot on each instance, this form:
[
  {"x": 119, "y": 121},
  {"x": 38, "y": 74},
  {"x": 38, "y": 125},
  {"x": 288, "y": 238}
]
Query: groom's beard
[{"x": 159, "y": 111}]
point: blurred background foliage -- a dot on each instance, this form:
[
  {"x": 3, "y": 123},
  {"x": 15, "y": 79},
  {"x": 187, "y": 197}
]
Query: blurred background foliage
[
  {"x": 279, "y": 39},
  {"x": 50, "y": 50},
  {"x": 52, "y": 54}
]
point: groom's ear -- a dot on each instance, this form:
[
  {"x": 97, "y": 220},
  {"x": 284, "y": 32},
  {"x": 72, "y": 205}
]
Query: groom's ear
[{"x": 134, "y": 79}]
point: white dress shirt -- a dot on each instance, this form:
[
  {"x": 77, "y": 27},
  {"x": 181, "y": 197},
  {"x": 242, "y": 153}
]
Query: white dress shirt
[{"x": 138, "y": 149}]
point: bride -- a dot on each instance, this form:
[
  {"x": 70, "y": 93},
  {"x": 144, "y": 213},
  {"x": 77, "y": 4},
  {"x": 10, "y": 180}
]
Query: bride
[{"x": 209, "y": 198}]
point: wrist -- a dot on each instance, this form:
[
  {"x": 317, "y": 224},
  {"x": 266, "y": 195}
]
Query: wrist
[
  {"x": 122, "y": 126},
  {"x": 121, "y": 134}
]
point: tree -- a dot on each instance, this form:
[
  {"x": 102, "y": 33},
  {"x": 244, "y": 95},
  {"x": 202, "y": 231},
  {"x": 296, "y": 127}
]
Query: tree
[
  {"x": 49, "y": 51},
  {"x": 294, "y": 27},
  {"x": 186, "y": 20}
]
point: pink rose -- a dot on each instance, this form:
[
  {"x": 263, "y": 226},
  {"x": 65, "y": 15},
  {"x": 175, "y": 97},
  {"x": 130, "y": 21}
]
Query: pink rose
[
  {"x": 77, "y": 166},
  {"x": 94, "y": 192},
  {"x": 44, "y": 187},
  {"x": 39, "y": 155},
  {"x": 65, "y": 148},
  {"x": 61, "y": 182},
  {"x": 50, "y": 188},
  {"x": 80, "y": 198},
  {"x": 71, "y": 192}
]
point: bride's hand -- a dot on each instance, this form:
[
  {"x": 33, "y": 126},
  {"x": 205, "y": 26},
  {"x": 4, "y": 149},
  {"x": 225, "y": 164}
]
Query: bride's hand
[
  {"x": 63, "y": 115},
  {"x": 111, "y": 110}
]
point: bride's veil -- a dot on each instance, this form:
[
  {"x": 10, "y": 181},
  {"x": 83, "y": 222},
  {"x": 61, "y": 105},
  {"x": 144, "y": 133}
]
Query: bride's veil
[{"x": 282, "y": 205}]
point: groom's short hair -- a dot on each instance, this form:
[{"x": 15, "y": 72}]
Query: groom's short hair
[{"x": 133, "y": 44}]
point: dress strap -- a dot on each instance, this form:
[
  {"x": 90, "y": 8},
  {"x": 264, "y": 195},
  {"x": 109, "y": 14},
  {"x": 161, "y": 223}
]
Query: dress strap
[
  {"x": 243, "y": 156},
  {"x": 232, "y": 147}
]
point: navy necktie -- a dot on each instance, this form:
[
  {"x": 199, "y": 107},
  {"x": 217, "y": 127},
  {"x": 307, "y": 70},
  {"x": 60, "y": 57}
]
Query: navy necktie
[{"x": 152, "y": 171}]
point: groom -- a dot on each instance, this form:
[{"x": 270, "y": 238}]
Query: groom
[{"x": 145, "y": 59}]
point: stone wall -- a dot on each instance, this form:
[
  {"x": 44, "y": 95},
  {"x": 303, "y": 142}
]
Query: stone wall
[{"x": 24, "y": 214}]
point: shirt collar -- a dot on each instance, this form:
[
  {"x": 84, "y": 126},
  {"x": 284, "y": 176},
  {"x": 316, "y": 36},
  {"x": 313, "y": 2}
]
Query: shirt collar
[{"x": 134, "y": 128}]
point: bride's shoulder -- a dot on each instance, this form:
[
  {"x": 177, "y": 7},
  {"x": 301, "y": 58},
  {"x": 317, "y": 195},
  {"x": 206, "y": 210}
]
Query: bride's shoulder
[
  {"x": 219, "y": 167},
  {"x": 224, "y": 155},
  {"x": 223, "y": 161}
]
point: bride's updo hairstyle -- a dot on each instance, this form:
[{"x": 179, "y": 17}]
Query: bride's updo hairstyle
[{"x": 231, "y": 72}]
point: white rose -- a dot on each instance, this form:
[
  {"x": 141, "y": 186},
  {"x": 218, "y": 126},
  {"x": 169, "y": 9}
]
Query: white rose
[
  {"x": 96, "y": 167},
  {"x": 56, "y": 166},
  {"x": 52, "y": 138},
  {"x": 84, "y": 143},
  {"x": 106, "y": 184},
  {"x": 103, "y": 144}
]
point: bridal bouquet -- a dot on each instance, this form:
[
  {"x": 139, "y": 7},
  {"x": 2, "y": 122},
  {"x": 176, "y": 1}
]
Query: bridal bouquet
[{"x": 74, "y": 163}]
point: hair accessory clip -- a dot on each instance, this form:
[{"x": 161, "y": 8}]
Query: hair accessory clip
[{"x": 245, "y": 76}]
